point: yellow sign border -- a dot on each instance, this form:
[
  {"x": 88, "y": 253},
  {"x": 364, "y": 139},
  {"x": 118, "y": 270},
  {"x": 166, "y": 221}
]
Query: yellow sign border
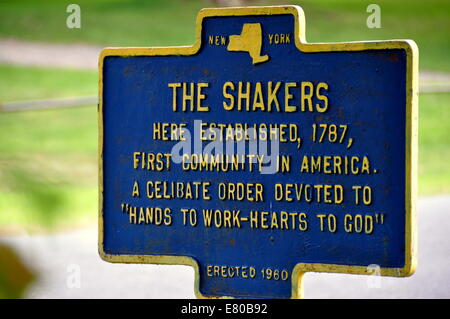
[{"x": 412, "y": 54}]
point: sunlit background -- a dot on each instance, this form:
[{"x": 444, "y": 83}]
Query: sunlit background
[{"x": 48, "y": 157}]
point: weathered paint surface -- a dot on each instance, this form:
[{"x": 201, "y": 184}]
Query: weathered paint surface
[{"x": 373, "y": 89}]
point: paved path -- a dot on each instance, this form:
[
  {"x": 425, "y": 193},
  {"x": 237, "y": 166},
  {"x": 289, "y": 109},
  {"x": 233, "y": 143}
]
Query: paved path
[
  {"x": 72, "y": 56},
  {"x": 56, "y": 258},
  {"x": 81, "y": 56}
]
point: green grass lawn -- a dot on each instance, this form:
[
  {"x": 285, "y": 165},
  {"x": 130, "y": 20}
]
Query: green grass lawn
[
  {"x": 171, "y": 22},
  {"x": 434, "y": 143},
  {"x": 426, "y": 22},
  {"x": 48, "y": 158}
]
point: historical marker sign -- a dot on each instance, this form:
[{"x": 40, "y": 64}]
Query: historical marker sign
[{"x": 255, "y": 157}]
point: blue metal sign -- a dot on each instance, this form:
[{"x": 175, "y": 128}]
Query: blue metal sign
[{"x": 255, "y": 157}]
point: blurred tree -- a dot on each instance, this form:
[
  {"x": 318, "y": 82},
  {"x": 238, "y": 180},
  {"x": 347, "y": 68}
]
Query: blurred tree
[{"x": 15, "y": 277}]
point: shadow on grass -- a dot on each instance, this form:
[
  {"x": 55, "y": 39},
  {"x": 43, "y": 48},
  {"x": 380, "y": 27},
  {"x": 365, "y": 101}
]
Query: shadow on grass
[{"x": 43, "y": 198}]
